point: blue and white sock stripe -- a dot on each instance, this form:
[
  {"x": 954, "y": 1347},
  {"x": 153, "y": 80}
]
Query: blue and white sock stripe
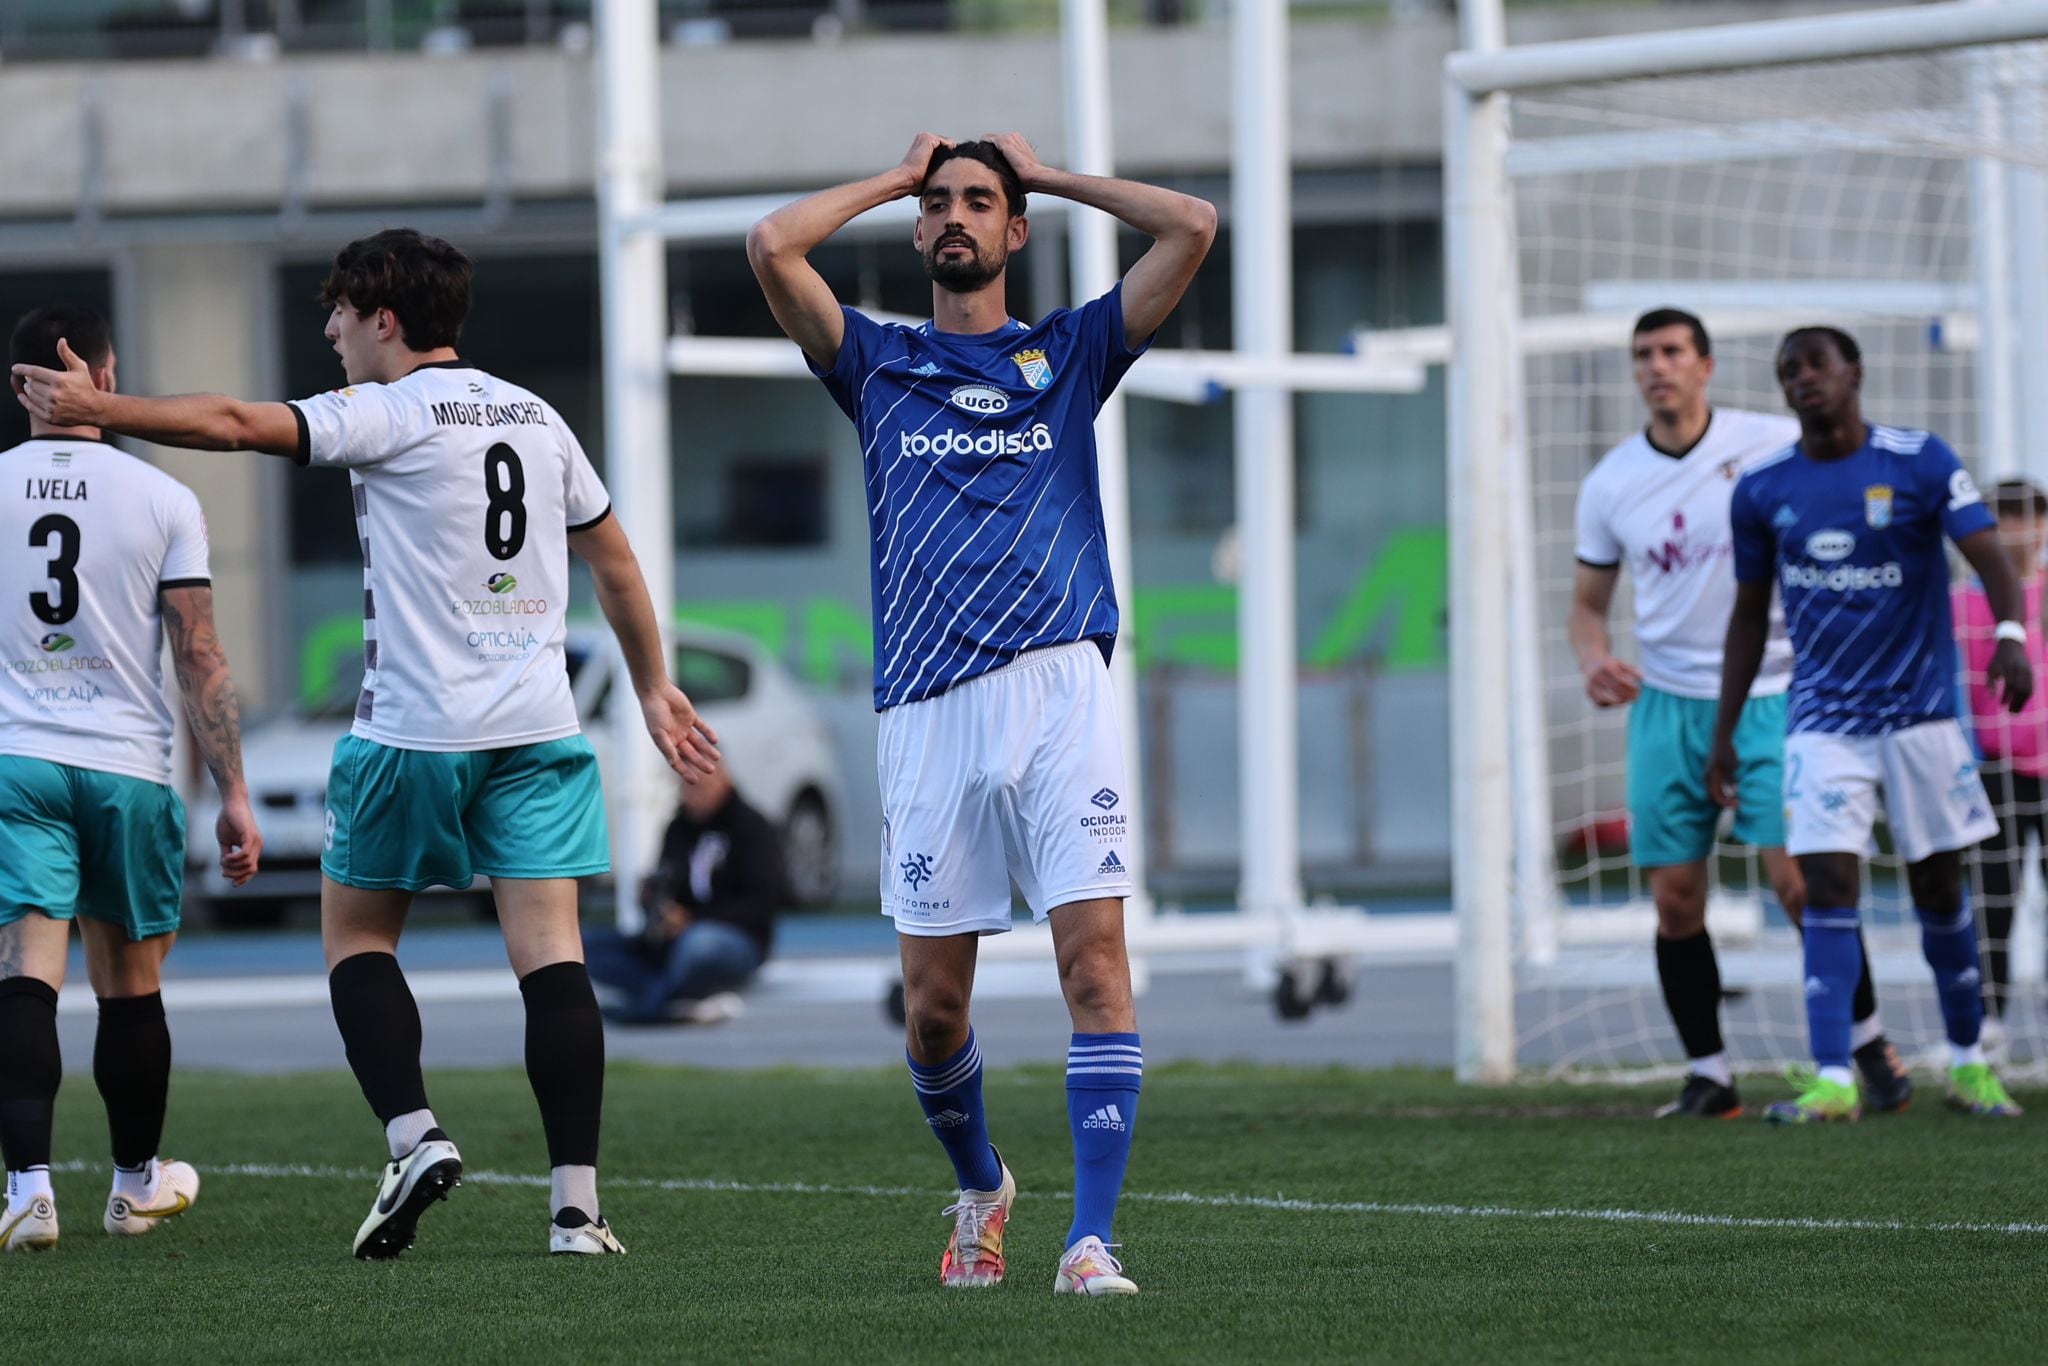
[
  {"x": 1962, "y": 920},
  {"x": 1835, "y": 920},
  {"x": 943, "y": 1077},
  {"x": 1106, "y": 1059}
]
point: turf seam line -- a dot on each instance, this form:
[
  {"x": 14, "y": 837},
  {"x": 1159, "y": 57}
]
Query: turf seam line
[{"x": 1275, "y": 1203}]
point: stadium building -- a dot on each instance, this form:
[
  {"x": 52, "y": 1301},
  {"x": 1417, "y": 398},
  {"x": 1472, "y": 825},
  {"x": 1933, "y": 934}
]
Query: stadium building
[{"x": 200, "y": 209}]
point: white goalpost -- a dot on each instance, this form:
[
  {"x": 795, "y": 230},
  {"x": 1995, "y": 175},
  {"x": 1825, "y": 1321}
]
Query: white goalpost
[{"x": 1885, "y": 172}]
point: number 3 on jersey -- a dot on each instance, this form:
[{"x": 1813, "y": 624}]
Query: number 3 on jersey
[
  {"x": 505, "y": 505},
  {"x": 56, "y": 609}
]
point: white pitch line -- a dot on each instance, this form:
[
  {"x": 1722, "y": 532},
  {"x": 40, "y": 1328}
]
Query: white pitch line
[
  {"x": 812, "y": 981},
  {"x": 1276, "y": 1203}
]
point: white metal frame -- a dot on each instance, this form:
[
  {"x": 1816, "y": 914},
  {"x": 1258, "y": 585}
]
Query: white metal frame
[
  {"x": 1498, "y": 748},
  {"x": 1263, "y": 369},
  {"x": 633, "y": 289}
]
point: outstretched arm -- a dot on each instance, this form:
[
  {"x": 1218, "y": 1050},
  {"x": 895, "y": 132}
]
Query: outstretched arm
[
  {"x": 2009, "y": 674},
  {"x": 779, "y": 248},
  {"x": 672, "y": 723},
  {"x": 206, "y": 422},
  {"x": 1181, "y": 228},
  {"x": 215, "y": 716}
]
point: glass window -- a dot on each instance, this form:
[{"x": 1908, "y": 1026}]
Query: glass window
[
  {"x": 775, "y": 502},
  {"x": 711, "y": 675}
]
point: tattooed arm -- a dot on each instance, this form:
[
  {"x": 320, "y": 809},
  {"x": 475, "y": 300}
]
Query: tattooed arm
[{"x": 215, "y": 716}]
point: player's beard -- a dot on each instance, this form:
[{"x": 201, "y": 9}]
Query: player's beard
[{"x": 966, "y": 275}]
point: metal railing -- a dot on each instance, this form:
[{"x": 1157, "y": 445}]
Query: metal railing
[
  {"x": 120, "y": 29},
  {"x": 98, "y": 30}
]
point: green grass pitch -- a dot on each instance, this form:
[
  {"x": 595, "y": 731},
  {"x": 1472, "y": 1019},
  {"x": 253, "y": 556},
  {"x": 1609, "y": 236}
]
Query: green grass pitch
[{"x": 1271, "y": 1216}]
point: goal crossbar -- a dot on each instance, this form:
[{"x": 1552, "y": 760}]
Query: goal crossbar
[{"x": 1726, "y": 47}]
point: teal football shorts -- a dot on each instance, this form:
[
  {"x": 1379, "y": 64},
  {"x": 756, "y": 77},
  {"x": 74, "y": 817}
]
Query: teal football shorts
[
  {"x": 76, "y": 841},
  {"x": 415, "y": 818},
  {"x": 1671, "y": 819}
]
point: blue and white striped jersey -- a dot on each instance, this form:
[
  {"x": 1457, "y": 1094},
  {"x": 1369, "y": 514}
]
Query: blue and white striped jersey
[
  {"x": 1856, "y": 547},
  {"x": 983, "y": 506}
]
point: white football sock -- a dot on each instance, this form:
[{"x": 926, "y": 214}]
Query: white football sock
[
  {"x": 24, "y": 1186},
  {"x": 575, "y": 1188},
  {"x": 137, "y": 1186},
  {"x": 1840, "y": 1076},
  {"x": 1714, "y": 1067},
  {"x": 1863, "y": 1031},
  {"x": 1962, "y": 1055},
  {"x": 405, "y": 1132}
]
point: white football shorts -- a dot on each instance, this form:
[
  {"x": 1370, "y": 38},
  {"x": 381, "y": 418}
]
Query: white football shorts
[
  {"x": 1018, "y": 773},
  {"x": 1933, "y": 799}
]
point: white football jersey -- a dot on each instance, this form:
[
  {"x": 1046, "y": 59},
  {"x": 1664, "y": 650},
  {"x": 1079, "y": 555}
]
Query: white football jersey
[
  {"x": 1666, "y": 517},
  {"x": 466, "y": 489},
  {"x": 89, "y": 536}
]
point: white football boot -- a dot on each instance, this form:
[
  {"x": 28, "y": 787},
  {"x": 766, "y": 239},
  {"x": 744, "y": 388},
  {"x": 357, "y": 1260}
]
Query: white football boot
[
  {"x": 410, "y": 1184},
  {"x": 32, "y": 1228},
  {"x": 581, "y": 1235},
  {"x": 177, "y": 1190},
  {"x": 1088, "y": 1269}
]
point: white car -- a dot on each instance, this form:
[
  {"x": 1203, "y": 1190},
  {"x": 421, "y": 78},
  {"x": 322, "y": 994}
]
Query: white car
[{"x": 773, "y": 739}]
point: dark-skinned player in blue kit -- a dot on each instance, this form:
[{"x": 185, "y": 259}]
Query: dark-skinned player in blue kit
[{"x": 1851, "y": 525}]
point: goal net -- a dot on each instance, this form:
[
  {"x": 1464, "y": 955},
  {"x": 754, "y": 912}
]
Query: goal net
[{"x": 1898, "y": 197}]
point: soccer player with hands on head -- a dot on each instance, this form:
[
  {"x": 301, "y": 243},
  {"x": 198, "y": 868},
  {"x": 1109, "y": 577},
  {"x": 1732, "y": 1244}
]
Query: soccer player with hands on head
[
  {"x": 465, "y": 757},
  {"x": 1850, "y": 526},
  {"x": 1659, "y": 502},
  {"x": 999, "y": 751},
  {"x": 109, "y": 557}
]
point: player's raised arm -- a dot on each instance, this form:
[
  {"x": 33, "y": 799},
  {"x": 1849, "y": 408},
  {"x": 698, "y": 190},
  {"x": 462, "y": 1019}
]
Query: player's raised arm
[
  {"x": 2009, "y": 674},
  {"x": 1181, "y": 228},
  {"x": 690, "y": 746},
  {"x": 206, "y": 422},
  {"x": 215, "y": 716},
  {"x": 779, "y": 248}
]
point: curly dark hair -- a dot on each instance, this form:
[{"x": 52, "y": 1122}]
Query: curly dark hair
[
  {"x": 989, "y": 155},
  {"x": 423, "y": 280}
]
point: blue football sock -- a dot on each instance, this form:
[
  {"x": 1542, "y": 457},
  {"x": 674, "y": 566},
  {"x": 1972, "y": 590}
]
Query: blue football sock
[
  {"x": 1834, "y": 964},
  {"x": 950, "y": 1093},
  {"x": 1103, "y": 1074},
  {"x": 1950, "y": 946}
]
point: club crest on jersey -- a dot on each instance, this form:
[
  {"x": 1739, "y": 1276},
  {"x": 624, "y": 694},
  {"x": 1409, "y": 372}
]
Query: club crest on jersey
[
  {"x": 1035, "y": 368},
  {"x": 1877, "y": 505}
]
